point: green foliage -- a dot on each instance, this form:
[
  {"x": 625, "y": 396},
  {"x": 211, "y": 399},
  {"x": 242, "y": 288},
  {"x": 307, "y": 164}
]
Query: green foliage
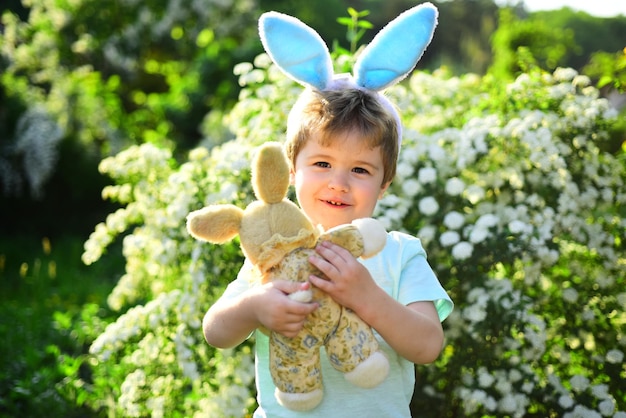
[
  {"x": 43, "y": 287},
  {"x": 609, "y": 69},
  {"x": 507, "y": 186},
  {"x": 592, "y": 34},
  {"x": 127, "y": 73},
  {"x": 462, "y": 39},
  {"x": 518, "y": 41}
]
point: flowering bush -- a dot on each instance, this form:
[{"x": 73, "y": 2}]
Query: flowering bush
[
  {"x": 153, "y": 360},
  {"x": 110, "y": 77},
  {"x": 517, "y": 203},
  {"x": 518, "y": 208}
]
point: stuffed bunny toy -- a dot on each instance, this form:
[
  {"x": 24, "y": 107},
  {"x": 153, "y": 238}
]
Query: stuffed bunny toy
[{"x": 278, "y": 238}]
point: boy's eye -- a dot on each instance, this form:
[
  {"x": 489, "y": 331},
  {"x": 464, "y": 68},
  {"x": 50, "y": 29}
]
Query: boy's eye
[
  {"x": 360, "y": 170},
  {"x": 322, "y": 164}
]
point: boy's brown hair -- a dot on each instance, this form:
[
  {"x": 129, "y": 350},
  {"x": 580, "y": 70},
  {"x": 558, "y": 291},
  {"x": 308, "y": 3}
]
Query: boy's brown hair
[{"x": 334, "y": 112}]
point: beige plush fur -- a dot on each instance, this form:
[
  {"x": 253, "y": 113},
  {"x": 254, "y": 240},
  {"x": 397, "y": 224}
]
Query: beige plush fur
[{"x": 277, "y": 237}]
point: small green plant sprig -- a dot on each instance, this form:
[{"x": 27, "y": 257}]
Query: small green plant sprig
[{"x": 356, "y": 27}]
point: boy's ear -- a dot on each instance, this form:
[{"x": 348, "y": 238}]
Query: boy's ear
[
  {"x": 292, "y": 177},
  {"x": 383, "y": 189}
]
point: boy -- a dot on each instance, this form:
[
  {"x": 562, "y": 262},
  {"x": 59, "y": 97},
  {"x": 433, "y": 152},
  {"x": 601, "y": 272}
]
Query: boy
[{"x": 343, "y": 146}]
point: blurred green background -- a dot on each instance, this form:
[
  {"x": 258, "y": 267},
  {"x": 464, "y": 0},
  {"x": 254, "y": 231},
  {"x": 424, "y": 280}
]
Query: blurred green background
[{"x": 83, "y": 80}]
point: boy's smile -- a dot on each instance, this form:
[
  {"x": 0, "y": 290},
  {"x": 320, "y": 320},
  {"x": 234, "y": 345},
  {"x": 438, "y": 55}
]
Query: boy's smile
[{"x": 338, "y": 182}]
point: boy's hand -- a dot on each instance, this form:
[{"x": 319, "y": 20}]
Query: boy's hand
[
  {"x": 277, "y": 312},
  {"x": 349, "y": 282}
]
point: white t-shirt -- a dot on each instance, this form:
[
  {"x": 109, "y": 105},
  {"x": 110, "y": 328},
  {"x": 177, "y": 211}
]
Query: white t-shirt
[{"x": 402, "y": 271}]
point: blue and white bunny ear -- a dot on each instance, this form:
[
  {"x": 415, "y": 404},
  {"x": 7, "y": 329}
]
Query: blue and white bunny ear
[
  {"x": 301, "y": 53},
  {"x": 296, "y": 49},
  {"x": 396, "y": 49}
]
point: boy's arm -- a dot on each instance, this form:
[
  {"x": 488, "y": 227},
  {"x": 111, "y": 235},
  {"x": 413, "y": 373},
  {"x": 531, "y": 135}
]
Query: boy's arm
[
  {"x": 231, "y": 320},
  {"x": 414, "y": 331},
  {"x": 419, "y": 337}
]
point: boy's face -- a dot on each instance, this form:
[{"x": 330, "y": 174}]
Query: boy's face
[{"x": 338, "y": 183}]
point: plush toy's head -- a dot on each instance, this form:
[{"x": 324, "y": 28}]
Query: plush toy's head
[{"x": 269, "y": 226}]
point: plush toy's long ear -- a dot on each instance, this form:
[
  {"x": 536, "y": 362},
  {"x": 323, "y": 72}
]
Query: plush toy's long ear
[
  {"x": 396, "y": 49},
  {"x": 296, "y": 49},
  {"x": 216, "y": 224},
  {"x": 270, "y": 173}
]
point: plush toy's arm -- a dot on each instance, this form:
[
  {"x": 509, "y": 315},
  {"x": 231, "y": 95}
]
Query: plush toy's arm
[
  {"x": 216, "y": 224},
  {"x": 374, "y": 235},
  {"x": 364, "y": 237}
]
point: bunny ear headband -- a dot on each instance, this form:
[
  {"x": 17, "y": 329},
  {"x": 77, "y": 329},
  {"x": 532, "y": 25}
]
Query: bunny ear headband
[{"x": 301, "y": 53}]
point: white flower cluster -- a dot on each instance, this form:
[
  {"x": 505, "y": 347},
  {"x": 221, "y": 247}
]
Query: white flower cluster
[
  {"x": 580, "y": 385},
  {"x": 506, "y": 400},
  {"x": 264, "y": 103},
  {"x": 132, "y": 324},
  {"x": 230, "y": 395}
]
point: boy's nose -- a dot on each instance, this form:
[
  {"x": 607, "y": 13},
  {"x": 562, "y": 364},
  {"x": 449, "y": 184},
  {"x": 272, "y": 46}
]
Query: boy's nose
[{"x": 339, "y": 182}]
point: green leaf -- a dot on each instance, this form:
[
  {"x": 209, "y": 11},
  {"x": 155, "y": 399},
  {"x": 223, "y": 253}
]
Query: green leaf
[
  {"x": 346, "y": 21},
  {"x": 604, "y": 81}
]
